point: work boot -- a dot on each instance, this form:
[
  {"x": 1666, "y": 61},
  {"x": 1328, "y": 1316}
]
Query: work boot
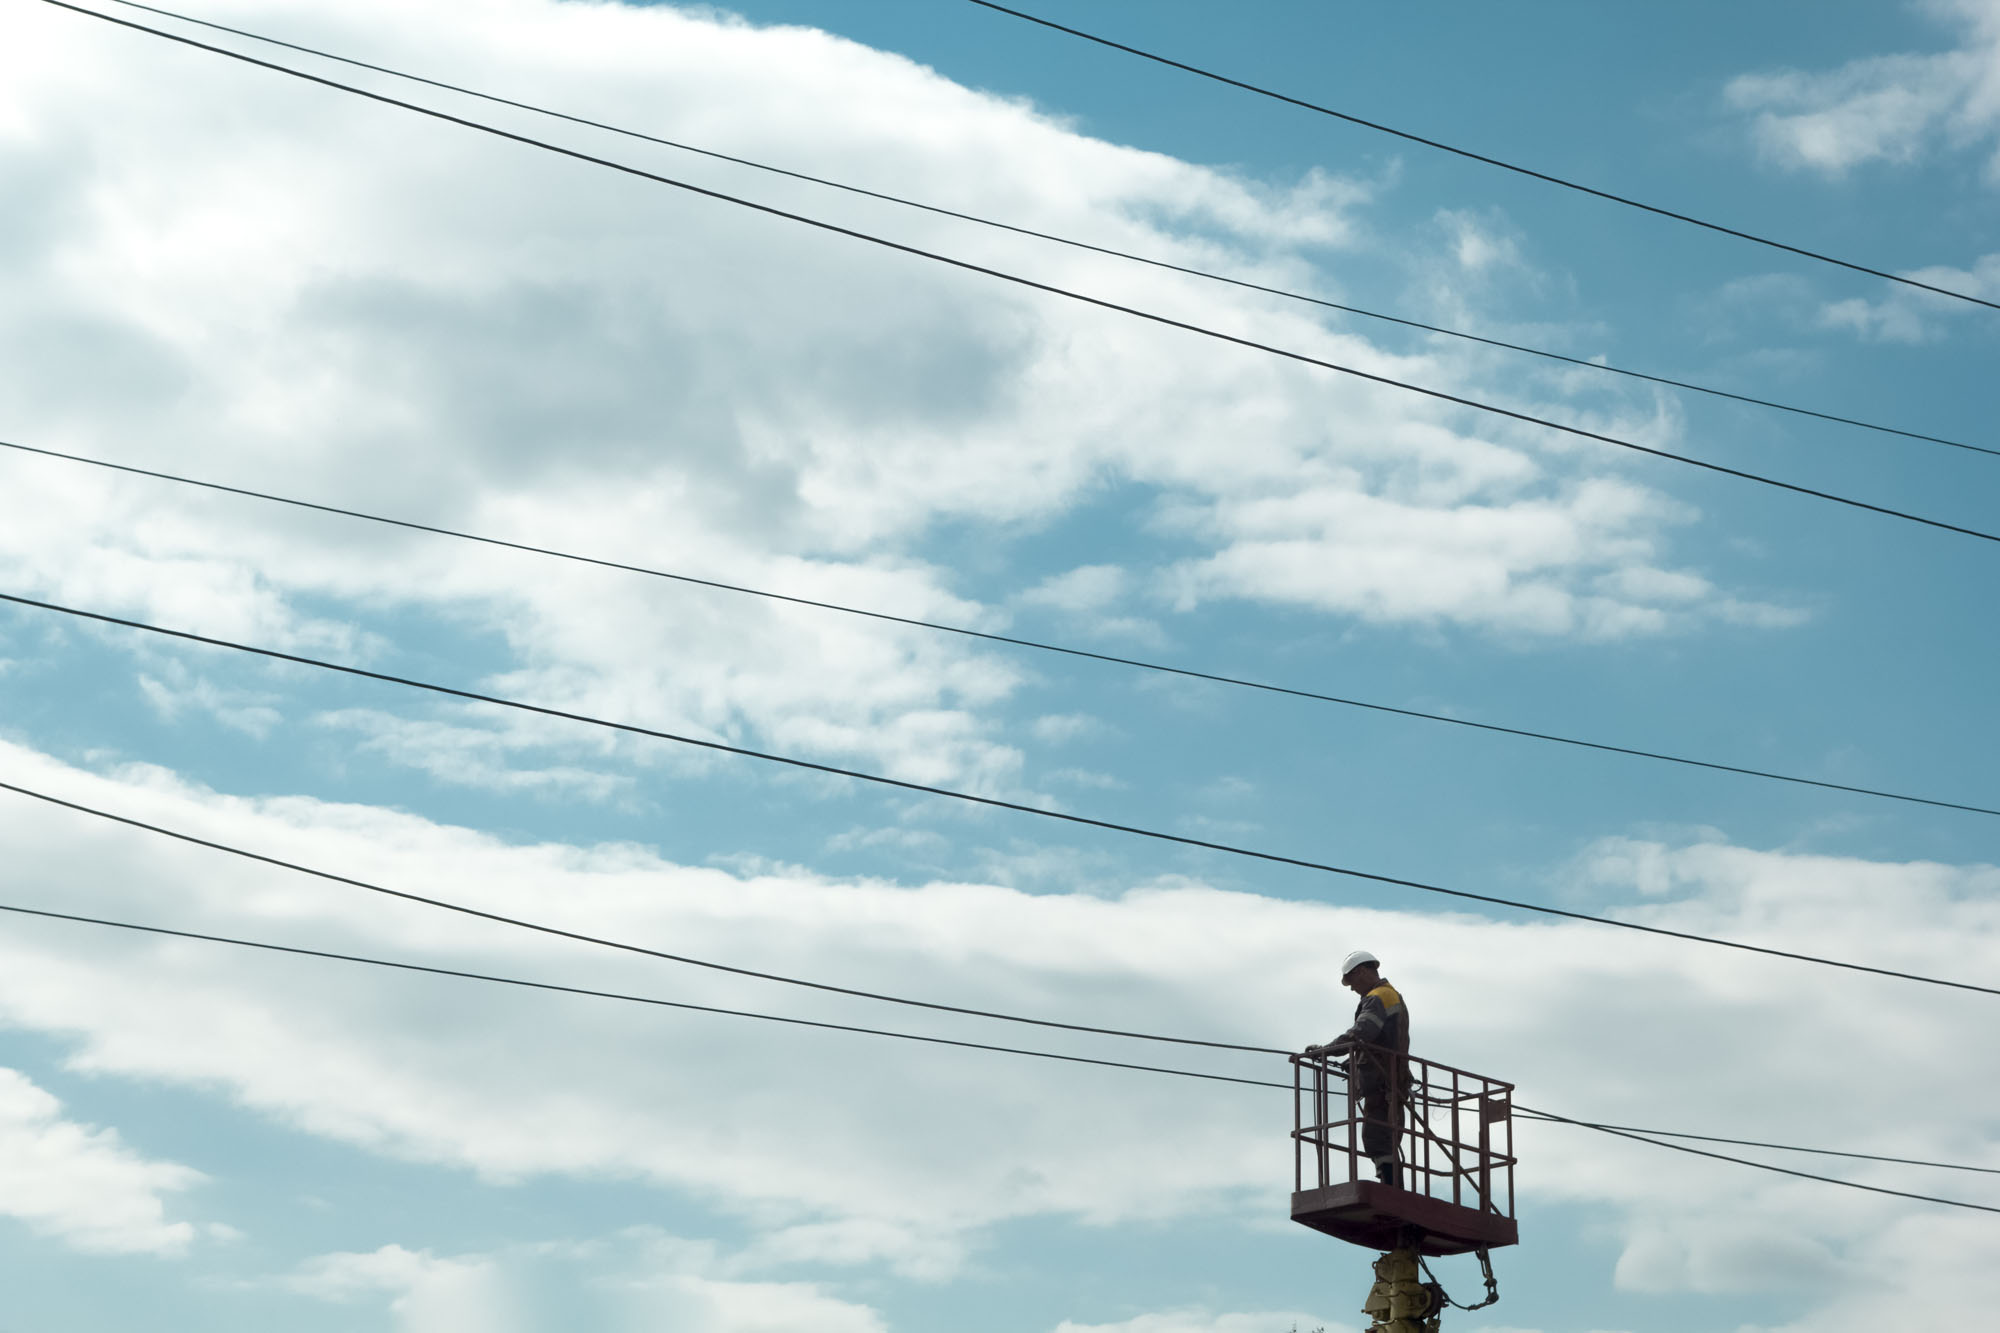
[{"x": 1389, "y": 1172}]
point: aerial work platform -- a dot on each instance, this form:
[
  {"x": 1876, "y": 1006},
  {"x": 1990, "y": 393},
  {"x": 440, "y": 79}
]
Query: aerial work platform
[{"x": 1455, "y": 1142}]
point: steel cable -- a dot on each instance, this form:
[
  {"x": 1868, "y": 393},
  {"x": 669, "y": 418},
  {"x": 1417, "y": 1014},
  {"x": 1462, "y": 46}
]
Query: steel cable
[
  {"x": 1009, "y": 639},
  {"x": 629, "y": 999},
  {"x": 1031, "y": 284},
  {"x": 1018, "y": 230},
  {"x": 991, "y": 802},
  {"x": 780, "y": 978},
  {"x": 1481, "y": 157},
  {"x": 465, "y": 975},
  {"x": 602, "y": 942}
]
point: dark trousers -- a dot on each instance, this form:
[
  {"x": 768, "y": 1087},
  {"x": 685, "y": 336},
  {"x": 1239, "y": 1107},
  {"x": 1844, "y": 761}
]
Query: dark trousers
[{"x": 1381, "y": 1126}]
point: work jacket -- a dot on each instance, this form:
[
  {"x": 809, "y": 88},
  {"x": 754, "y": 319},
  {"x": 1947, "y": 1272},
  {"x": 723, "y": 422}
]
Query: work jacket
[{"x": 1381, "y": 1019}]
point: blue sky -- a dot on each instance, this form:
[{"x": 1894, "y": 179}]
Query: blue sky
[{"x": 211, "y": 270}]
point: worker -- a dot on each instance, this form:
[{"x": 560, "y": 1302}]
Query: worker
[{"x": 1375, "y": 1047}]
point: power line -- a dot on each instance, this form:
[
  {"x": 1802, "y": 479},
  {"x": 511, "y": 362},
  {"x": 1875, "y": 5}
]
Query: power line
[
  {"x": 1012, "y": 640},
  {"x": 629, "y": 999},
  {"x": 604, "y": 943},
  {"x": 1024, "y": 809},
  {"x": 992, "y": 802},
  {"x": 1109, "y": 251},
  {"x": 1766, "y": 1166},
  {"x": 1755, "y": 1143},
  {"x": 1481, "y": 157},
  {"x": 783, "y": 979},
  {"x": 463, "y": 975},
  {"x": 1033, "y": 285}
]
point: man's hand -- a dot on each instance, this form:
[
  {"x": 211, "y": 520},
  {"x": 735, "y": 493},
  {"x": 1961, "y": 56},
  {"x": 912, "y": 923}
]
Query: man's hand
[{"x": 1314, "y": 1051}]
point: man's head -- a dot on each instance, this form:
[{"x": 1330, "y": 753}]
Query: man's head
[{"x": 1360, "y": 972}]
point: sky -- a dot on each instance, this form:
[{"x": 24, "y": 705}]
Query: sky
[{"x": 212, "y": 270}]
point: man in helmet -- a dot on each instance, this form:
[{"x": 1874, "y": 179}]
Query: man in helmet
[{"x": 1382, "y": 1081}]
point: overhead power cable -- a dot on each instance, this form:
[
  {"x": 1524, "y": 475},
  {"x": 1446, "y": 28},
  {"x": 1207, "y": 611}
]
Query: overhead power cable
[
  {"x": 1109, "y": 251},
  {"x": 629, "y": 999},
  {"x": 782, "y": 979},
  {"x": 600, "y": 941},
  {"x": 1765, "y": 1166},
  {"x": 1033, "y": 285},
  {"x": 1011, "y": 640},
  {"x": 1467, "y": 153},
  {"x": 464, "y": 975},
  {"x": 1756, "y": 1143},
  {"x": 991, "y": 802}
]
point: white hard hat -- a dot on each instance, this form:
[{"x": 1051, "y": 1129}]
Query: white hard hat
[{"x": 1359, "y": 958}]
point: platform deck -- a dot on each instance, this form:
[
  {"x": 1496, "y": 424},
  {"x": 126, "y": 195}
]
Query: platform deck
[{"x": 1373, "y": 1215}]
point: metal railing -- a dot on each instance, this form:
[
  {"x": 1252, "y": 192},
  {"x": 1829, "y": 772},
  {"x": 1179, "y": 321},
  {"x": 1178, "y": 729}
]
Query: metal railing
[{"x": 1453, "y": 1131}]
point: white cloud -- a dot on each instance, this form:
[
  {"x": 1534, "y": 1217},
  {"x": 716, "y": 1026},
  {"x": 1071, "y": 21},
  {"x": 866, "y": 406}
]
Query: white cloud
[
  {"x": 668, "y": 1283},
  {"x": 476, "y": 756},
  {"x": 1894, "y": 108},
  {"x": 1477, "y": 244},
  {"x": 425, "y": 1294},
  {"x": 1880, "y": 1286},
  {"x": 177, "y": 690},
  {"x": 205, "y": 259},
  {"x": 704, "y": 1305},
  {"x": 1062, "y": 728},
  {"x": 915, "y": 1252},
  {"x": 1517, "y": 567},
  {"x": 202, "y": 262},
  {"x": 1196, "y": 1321},
  {"x": 1084, "y": 777},
  {"x": 1087, "y": 594},
  {"x": 903, "y": 839},
  {"x": 1085, "y": 588},
  {"x": 639, "y": 1281},
  {"x": 1880, "y": 109},
  {"x": 1635, "y": 1030},
  {"x": 1906, "y": 315},
  {"x": 81, "y": 1183}
]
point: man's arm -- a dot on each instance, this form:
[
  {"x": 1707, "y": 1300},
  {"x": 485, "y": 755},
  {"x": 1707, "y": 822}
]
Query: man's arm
[{"x": 1369, "y": 1021}]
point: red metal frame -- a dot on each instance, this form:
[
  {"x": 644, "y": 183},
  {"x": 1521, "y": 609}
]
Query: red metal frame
[{"x": 1454, "y": 1141}]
